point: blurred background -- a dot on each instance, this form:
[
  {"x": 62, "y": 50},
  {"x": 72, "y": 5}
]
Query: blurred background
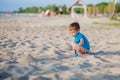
[{"x": 95, "y": 8}]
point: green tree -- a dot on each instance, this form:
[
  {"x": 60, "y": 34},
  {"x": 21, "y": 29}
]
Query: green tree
[
  {"x": 51, "y": 7},
  {"x": 64, "y": 9},
  {"x": 101, "y": 7},
  {"x": 89, "y": 9},
  {"x": 92, "y": 10},
  {"x": 118, "y": 8},
  {"x": 109, "y": 8},
  {"x": 79, "y": 10},
  {"x": 21, "y": 10}
]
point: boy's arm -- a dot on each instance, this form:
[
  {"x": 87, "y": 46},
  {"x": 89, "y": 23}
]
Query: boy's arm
[
  {"x": 73, "y": 47},
  {"x": 81, "y": 42}
]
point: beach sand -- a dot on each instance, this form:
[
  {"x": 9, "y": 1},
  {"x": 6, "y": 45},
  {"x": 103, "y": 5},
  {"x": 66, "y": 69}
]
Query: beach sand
[{"x": 39, "y": 48}]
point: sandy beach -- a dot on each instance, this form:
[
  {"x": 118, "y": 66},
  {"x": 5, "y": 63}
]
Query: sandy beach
[{"x": 39, "y": 48}]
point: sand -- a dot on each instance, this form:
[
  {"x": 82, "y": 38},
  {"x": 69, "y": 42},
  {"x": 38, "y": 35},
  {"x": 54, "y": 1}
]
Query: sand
[{"x": 39, "y": 48}]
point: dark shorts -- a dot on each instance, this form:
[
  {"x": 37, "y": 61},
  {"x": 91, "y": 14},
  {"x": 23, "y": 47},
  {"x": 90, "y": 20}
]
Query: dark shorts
[{"x": 61, "y": 12}]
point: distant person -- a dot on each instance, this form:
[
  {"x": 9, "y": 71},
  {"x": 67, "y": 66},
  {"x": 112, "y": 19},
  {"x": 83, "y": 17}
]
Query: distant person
[
  {"x": 80, "y": 44},
  {"x": 53, "y": 13},
  {"x": 60, "y": 10},
  {"x": 47, "y": 13},
  {"x": 42, "y": 13},
  {"x": 8, "y": 15}
]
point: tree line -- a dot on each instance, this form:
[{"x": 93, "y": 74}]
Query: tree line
[
  {"x": 35, "y": 9},
  {"x": 103, "y": 8},
  {"x": 100, "y": 8}
]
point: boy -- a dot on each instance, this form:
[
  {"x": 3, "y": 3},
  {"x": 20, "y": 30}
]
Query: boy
[{"x": 81, "y": 43}]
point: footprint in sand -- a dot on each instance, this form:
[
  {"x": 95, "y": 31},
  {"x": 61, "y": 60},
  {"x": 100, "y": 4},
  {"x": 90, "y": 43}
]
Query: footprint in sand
[
  {"x": 111, "y": 77},
  {"x": 4, "y": 75},
  {"x": 43, "y": 49},
  {"x": 33, "y": 45},
  {"x": 25, "y": 77},
  {"x": 85, "y": 65},
  {"x": 60, "y": 67},
  {"x": 11, "y": 43},
  {"x": 42, "y": 78},
  {"x": 11, "y": 67},
  {"x": 57, "y": 77},
  {"x": 10, "y": 54}
]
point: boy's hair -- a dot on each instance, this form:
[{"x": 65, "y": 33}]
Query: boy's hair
[{"x": 74, "y": 26}]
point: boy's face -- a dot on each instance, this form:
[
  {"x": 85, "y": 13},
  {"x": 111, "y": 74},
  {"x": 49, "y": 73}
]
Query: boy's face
[{"x": 73, "y": 32}]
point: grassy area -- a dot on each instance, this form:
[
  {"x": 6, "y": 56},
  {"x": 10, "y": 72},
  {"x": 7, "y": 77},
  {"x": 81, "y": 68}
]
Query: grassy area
[{"x": 108, "y": 24}]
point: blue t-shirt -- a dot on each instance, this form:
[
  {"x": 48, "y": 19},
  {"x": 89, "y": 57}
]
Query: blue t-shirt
[{"x": 80, "y": 36}]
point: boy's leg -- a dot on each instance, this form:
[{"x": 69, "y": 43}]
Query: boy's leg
[
  {"x": 75, "y": 51},
  {"x": 81, "y": 50}
]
